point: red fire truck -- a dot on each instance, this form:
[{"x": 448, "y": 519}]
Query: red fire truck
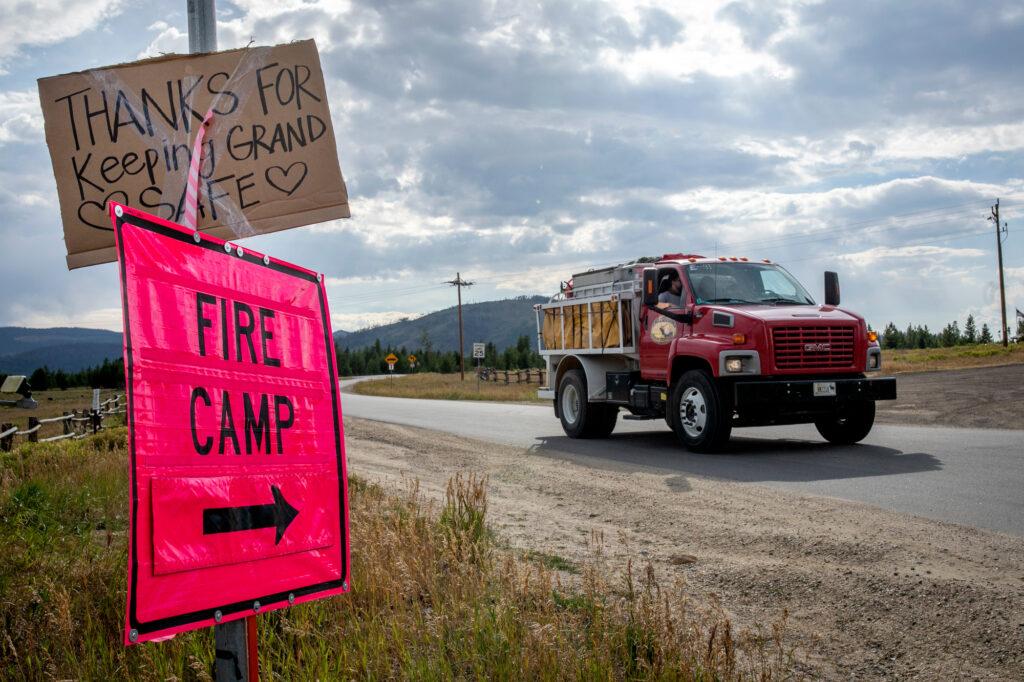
[{"x": 707, "y": 344}]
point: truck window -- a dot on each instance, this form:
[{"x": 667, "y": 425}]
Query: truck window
[
  {"x": 772, "y": 281},
  {"x": 745, "y": 283}
]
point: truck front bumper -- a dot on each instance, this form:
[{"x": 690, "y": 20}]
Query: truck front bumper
[{"x": 800, "y": 393}]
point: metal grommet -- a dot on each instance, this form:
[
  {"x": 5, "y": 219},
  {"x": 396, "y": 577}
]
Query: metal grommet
[
  {"x": 344, "y": 586},
  {"x": 133, "y": 635},
  {"x": 266, "y": 260},
  {"x": 118, "y": 211},
  {"x": 218, "y": 616},
  {"x": 291, "y": 597},
  {"x": 241, "y": 252},
  {"x": 195, "y": 237},
  {"x": 227, "y": 247},
  {"x": 256, "y": 606}
]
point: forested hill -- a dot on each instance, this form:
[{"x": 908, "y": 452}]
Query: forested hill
[
  {"x": 23, "y": 349},
  {"x": 497, "y": 322}
]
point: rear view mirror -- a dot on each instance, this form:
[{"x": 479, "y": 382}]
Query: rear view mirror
[
  {"x": 650, "y": 287},
  {"x": 831, "y": 288}
]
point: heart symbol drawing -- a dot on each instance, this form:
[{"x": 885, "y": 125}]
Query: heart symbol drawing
[
  {"x": 94, "y": 213},
  {"x": 283, "y": 180}
]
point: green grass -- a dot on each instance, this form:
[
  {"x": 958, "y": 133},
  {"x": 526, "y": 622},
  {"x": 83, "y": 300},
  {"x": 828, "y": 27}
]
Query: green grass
[
  {"x": 434, "y": 595},
  {"x": 956, "y": 357},
  {"x": 553, "y": 561},
  {"x": 435, "y": 386}
]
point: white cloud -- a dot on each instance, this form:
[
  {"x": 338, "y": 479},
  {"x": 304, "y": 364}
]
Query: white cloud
[
  {"x": 169, "y": 40},
  {"x": 870, "y": 257},
  {"x": 356, "y": 321},
  {"x": 21, "y": 119},
  {"x": 47, "y": 22},
  {"x": 97, "y": 318}
]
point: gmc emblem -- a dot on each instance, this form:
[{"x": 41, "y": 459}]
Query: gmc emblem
[{"x": 817, "y": 347}]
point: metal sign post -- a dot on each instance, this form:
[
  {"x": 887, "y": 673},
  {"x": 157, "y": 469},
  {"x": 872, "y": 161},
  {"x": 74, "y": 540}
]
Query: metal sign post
[
  {"x": 479, "y": 350},
  {"x": 234, "y": 641}
]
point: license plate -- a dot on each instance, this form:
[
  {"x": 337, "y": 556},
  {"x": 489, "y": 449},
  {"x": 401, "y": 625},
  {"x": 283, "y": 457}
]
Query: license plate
[{"x": 824, "y": 388}]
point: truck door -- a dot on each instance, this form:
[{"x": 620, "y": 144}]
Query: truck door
[{"x": 657, "y": 333}]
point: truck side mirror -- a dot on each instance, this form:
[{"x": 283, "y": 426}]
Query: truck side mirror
[
  {"x": 650, "y": 287},
  {"x": 831, "y": 288}
]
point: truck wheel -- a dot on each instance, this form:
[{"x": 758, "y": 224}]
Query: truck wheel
[
  {"x": 582, "y": 419},
  {"x": 698, "y": 414},
  {"x": 849, "y": 425}
]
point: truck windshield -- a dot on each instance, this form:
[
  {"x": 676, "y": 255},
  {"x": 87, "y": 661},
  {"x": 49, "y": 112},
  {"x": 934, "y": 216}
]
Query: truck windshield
[{"x": 745, "y": 283}]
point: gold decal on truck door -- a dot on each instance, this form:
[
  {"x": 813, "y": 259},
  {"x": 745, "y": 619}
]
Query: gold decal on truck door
[{"x": 663, "y": 330}]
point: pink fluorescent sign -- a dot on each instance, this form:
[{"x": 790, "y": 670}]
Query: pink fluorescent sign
[{"x": 237, "y": 456}]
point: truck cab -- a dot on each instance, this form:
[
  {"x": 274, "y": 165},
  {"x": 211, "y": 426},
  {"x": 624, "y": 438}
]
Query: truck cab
[{"x": 708, "y": 344}]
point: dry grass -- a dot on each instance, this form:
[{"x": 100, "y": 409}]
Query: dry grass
[
  {"x": 433, "y": 596},
  {"x": 54, "y": 403},
  {"x": 447, "y": 387},
  {"x": 957, "y": 357}
]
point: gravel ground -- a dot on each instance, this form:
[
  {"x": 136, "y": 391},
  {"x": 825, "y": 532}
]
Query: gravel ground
[
  {"x": 870, "y": 594},
  {"x": 984, "y": 397}
]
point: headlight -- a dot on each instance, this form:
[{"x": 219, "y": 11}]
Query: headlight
[
  {"x": 873, "y": 361},
  {"x": 739, "y": 362}
]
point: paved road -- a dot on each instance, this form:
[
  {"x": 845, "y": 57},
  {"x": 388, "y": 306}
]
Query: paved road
[{"x": 968, "y": 476}]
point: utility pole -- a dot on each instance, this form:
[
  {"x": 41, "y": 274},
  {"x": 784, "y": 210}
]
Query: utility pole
[
  {"x": 458, "y": 282},
  {"x": 235, "y": 658},
  {"x": 999, "y": 250},
  {"x": 202, "y": 26}
]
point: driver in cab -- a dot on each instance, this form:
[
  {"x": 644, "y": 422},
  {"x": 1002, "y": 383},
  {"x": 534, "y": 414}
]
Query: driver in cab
[{"x": 670, "y": 290}]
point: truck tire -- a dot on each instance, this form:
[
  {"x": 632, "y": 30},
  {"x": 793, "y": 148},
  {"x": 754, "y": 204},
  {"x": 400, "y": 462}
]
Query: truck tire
[
  {"x": 582, "y": 419},
  {"x": 849, "y": 425},
  {"x": 698, "y": 414}
]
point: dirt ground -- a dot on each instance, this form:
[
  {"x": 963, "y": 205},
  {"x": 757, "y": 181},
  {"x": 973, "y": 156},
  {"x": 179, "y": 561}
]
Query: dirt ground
[
  {"x": 984, "y": 397},
  {"x": 870, "y": 594}
]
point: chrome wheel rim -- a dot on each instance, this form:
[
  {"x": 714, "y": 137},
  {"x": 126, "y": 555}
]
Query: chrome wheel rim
[
  {"x": 693, "y": 412},
  {"x": 570, "y": 404}
]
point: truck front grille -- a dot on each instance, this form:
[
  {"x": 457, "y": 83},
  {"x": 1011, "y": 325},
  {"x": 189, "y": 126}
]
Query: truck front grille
[{"x": 813, "y": 347}]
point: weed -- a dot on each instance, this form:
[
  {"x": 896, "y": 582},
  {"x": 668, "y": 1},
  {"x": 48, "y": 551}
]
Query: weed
[{"x": 433, "y": 595}]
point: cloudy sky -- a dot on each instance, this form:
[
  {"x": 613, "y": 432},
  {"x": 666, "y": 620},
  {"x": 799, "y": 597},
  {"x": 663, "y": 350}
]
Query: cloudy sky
[{"x": 518, "y": 142}]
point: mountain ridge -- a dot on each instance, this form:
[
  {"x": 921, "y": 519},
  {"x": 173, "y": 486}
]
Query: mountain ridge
[{"x": 499, "y": 322}]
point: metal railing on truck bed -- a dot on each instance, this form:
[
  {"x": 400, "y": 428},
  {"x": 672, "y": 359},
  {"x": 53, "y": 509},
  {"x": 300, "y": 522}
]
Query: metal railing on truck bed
[{"x": 597, "y": 319}]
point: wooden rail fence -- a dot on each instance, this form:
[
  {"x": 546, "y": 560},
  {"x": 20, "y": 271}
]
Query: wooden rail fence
[
  {"x": 511, "y": 376},
  {"x": 75, "y": 424}
]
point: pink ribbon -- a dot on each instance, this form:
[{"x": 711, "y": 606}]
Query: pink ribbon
[{"x": 192, "y": 189}]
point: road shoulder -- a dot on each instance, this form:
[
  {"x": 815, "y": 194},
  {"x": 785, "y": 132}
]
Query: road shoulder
[{"x": 870, "y": 593}]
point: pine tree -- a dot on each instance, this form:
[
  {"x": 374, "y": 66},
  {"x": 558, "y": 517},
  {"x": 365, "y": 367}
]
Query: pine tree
[
  {"x": 40, "y": 379},
  {"x": 986, "y": 334},
  {"x": 970, "y": 331},
  {"x": 892, "y": 337},
  {"x": 950, "y": 335}
]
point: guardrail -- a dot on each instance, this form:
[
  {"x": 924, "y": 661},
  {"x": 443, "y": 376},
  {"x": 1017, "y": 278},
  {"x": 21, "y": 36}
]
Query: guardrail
[
  {"x": 74, "y": 425},
  {"x": 511, "y": 376}
]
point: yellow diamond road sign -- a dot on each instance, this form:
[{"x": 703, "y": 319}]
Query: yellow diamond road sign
[{"x": 391, "y": 359}]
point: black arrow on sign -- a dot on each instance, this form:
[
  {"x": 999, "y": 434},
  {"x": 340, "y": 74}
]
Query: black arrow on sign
[{"x": 278, "y": 515}]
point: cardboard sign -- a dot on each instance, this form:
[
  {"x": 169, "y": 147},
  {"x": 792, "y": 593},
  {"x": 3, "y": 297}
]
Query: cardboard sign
[
  {"x": 237, "y": 463},
  {"x": 124, "y": 133}
]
